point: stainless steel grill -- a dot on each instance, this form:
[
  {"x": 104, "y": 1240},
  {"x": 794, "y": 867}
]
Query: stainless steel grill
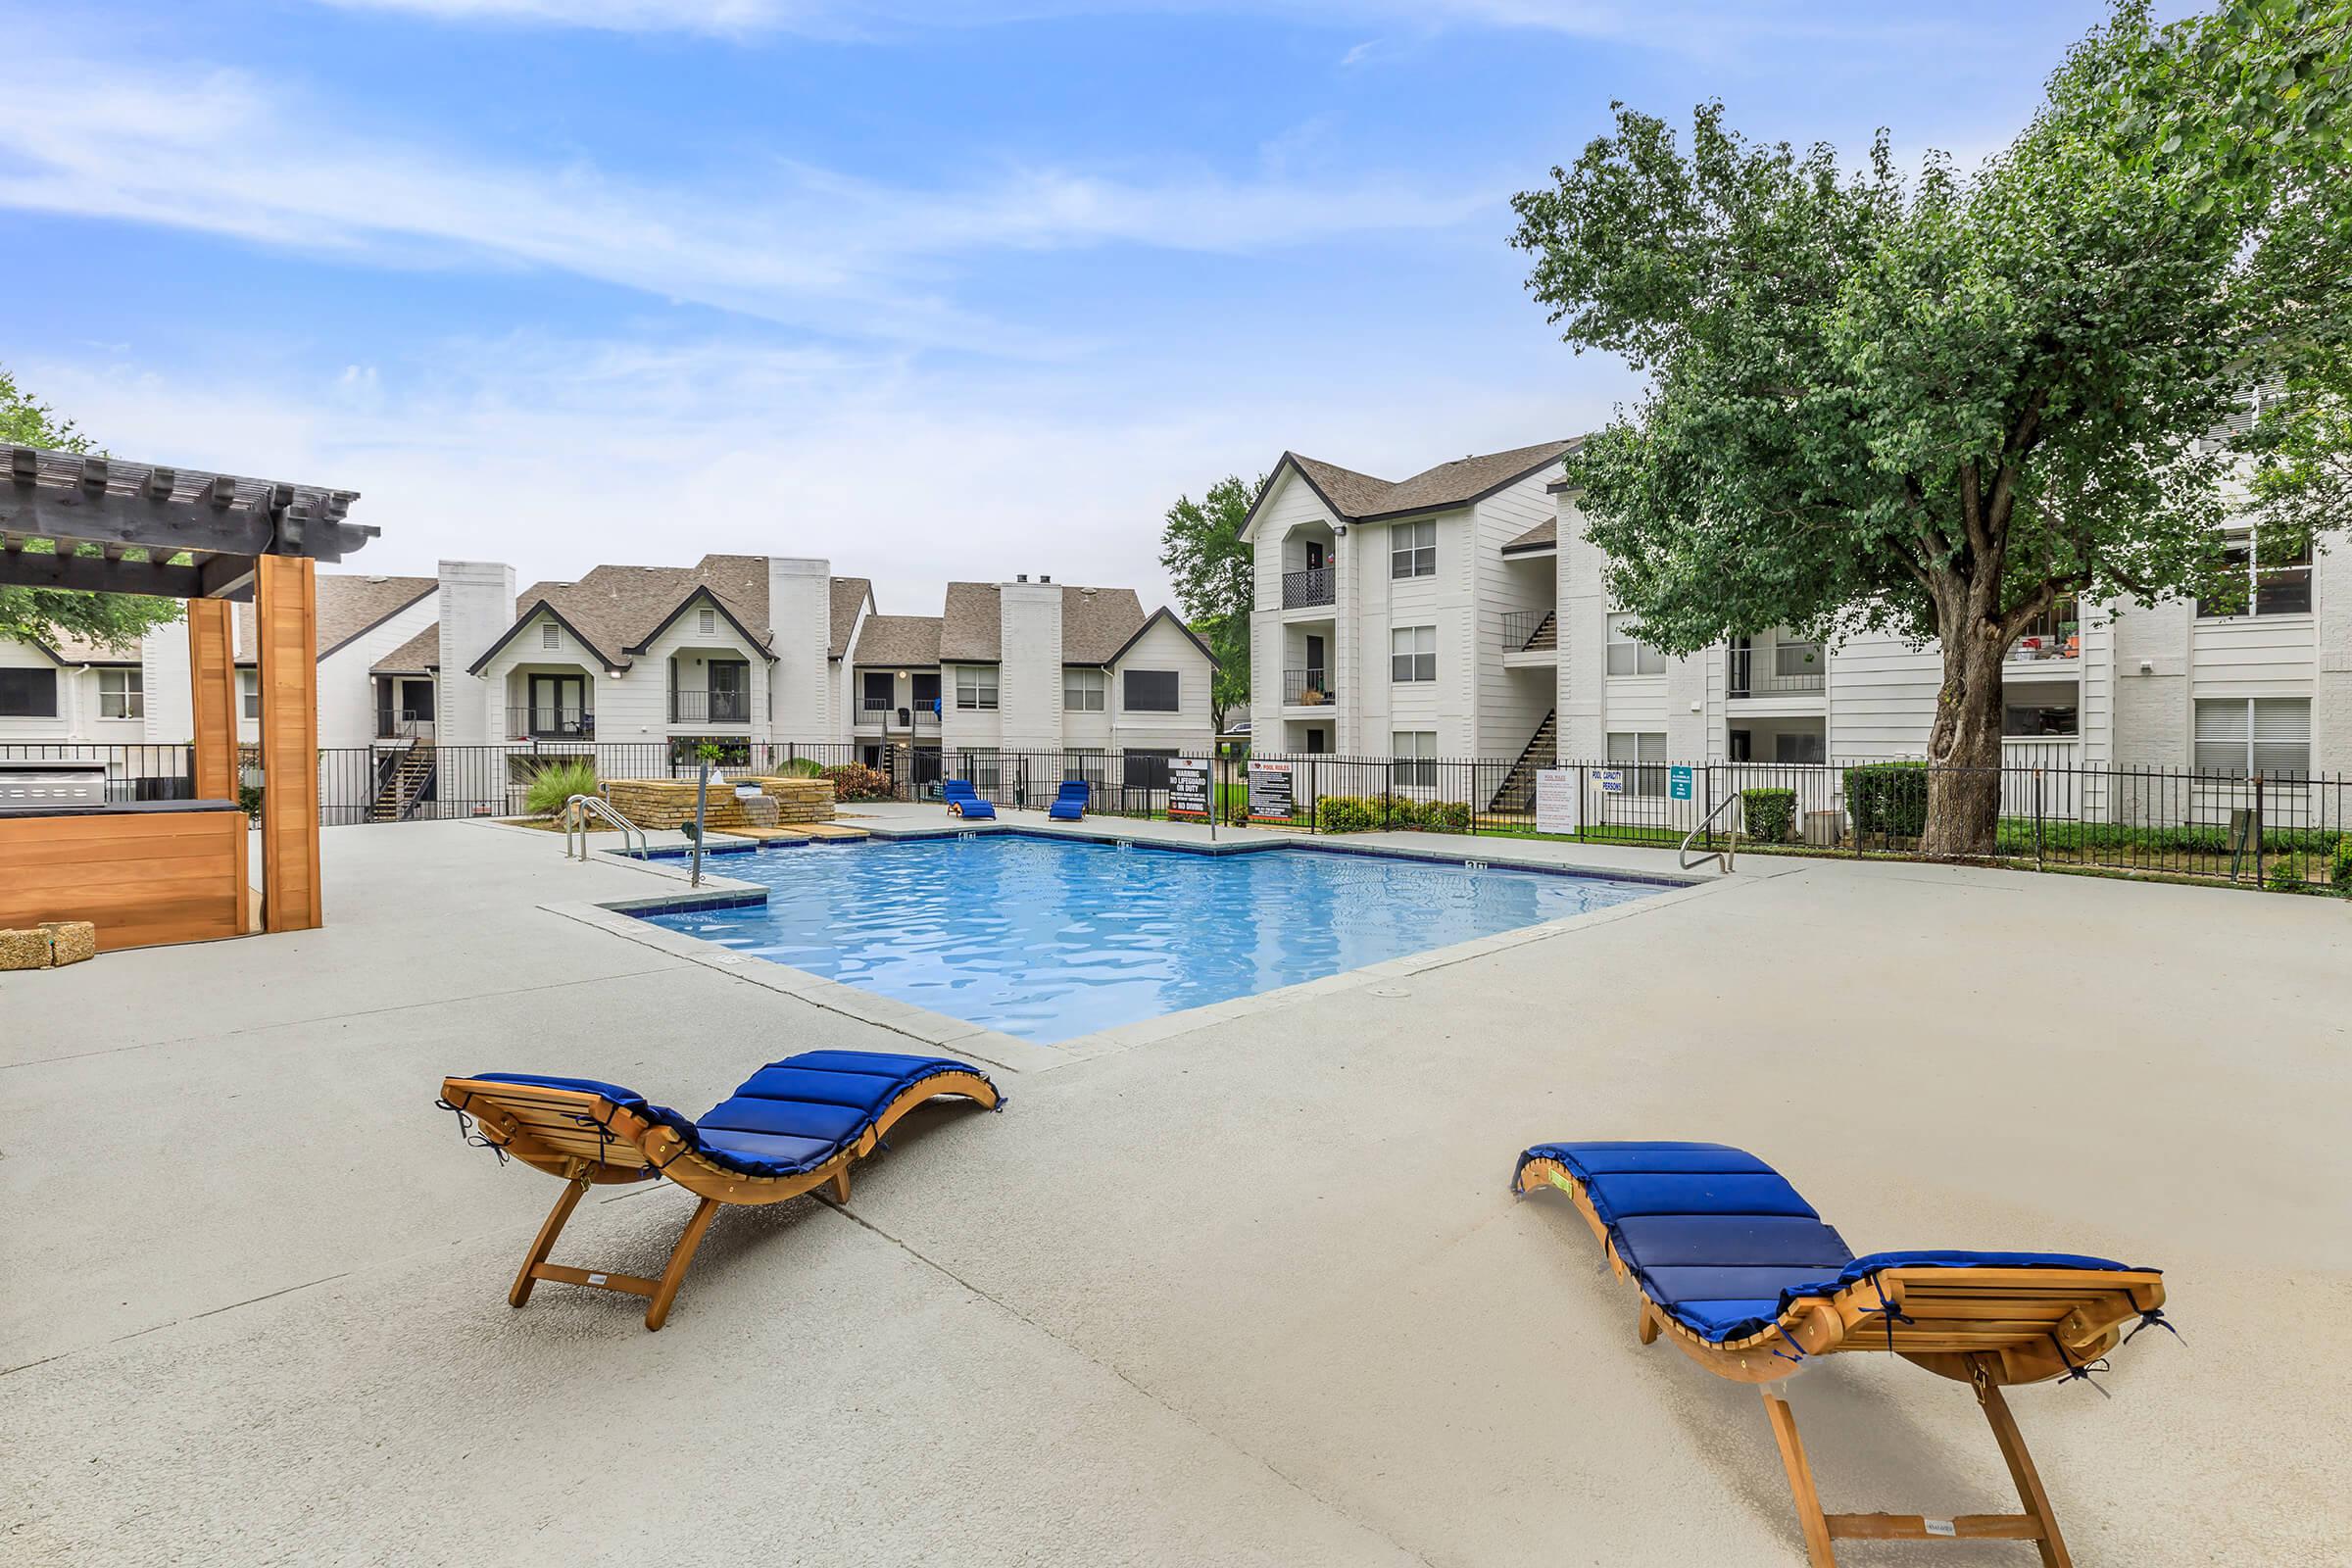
[{"x": 51, "y": 782}]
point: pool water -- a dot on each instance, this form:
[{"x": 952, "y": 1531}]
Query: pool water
[{"x": 1049, "y": 939}]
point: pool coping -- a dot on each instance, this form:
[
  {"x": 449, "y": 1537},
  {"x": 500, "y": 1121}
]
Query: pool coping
[{"x": 623, "y": 917}]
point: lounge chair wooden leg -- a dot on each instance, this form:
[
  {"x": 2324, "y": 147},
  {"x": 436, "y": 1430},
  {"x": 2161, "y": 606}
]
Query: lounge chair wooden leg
[
  {"x": 1800, "y": 1481},
  {"x": 841, "y": 1185},
  {"x": 1645, "y": 1324},
  {"x": 657, "y": 1311},
  {"x": 2021, "y": 1464},
  {"x": 546, "y": 1243}
]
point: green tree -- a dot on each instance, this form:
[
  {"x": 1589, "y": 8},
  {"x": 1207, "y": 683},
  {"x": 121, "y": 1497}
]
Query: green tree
[
  {"x": 1928, "y": 407},
  {"x": 1214, "y": 574},
  {"x": 40, "y": 614}
]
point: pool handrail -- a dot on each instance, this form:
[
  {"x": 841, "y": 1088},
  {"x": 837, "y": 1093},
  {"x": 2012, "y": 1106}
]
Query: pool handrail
[
  {"x": 581, "y": 808},
  {"x": 1731, "y": 846}
]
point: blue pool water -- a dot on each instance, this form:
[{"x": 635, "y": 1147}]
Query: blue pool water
[{"x": 1049, "y": 939}]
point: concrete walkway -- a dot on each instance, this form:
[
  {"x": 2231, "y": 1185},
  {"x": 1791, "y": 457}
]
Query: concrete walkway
[{"x": 1249, "y": 1293}]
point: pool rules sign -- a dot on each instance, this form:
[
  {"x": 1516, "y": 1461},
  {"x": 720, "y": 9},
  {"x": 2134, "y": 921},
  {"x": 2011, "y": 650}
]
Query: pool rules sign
[
  {"x": 1555, "y": 800},
  {"x": 1270, "y": 797}
]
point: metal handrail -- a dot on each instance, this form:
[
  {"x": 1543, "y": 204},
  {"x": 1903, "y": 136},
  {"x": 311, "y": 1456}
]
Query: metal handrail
[
  {"x": 1730, "y": 845},
  {"x": 581, "y": 808}
]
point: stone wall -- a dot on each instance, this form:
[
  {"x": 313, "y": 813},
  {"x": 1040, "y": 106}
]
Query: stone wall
[{"x": 668, "y": 803}]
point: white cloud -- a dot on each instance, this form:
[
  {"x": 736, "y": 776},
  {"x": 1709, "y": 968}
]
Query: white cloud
[{"x": 786, "y": 241}]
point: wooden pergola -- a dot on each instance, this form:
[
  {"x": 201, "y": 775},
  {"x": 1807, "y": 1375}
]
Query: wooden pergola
[{"x": 70, "y": 521}]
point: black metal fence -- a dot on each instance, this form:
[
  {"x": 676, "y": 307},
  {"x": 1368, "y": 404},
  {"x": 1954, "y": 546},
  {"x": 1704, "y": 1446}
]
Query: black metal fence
[{"x": 2284, "y": 831}]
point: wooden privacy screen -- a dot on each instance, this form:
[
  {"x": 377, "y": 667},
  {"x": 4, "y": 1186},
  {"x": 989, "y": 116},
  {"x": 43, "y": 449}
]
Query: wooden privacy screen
[
  {"x": 212, "y": 674},
  {"x": 285, "y": 620},
  {"x": 141, "y": 878}
]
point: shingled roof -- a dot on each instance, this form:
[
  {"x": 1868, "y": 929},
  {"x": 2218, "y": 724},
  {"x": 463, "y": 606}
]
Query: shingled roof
[
  {"x": 1361, "y": 498},
  {"x": 900, "y": 640},
  {"x": 1545, "y": 535},
  {"x": 349, "y": 605},
  {"x": 1096, "y": 623}
]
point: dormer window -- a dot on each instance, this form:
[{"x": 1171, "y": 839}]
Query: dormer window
[
  {"x": 550, "y": 635},
  {"x": 708, "y": 621}
]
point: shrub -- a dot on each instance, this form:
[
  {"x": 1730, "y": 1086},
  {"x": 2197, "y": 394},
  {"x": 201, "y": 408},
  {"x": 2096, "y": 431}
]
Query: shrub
[
  {"x": 1404, "y": 811},
  {"x": 557, "y": 783},
  {"x": 854, "y": 781},
  {"x": 1889, "y": 797},
  {"x": 2286, "y": 875},
  {"x": 1770, "y": 814},
  {"x": 249, "y": 795},
  {"x": 798, "y": 768},
  {"x": 1445, "y": 817},
  {"x": 1346, "y": 813},
  {"x": 2340, "y": 870}
]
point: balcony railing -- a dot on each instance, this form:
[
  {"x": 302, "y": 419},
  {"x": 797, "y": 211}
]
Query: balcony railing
[
  {"x": 1530, "y": 631},
  {"x": 2053, "y": 634},
  {"x": 1303, "y": 590},
  {"x": 546, "y": 721},
  {"x": 1774, "y": 669},
  {"x": 402, "y": 726},
  {"x": 922, "y": 713},
  {"x": 1306, "y": 688},
  {"x": 710, "y": 708}
]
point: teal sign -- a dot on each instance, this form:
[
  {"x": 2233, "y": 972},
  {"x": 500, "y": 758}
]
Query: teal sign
[{"x": 1678, "y": 784}]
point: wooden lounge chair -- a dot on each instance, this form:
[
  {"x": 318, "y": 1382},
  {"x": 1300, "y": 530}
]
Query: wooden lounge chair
[
  {"x": 1069, "y": 804},
  {"x": 794, "y": 1126},
  {"x": 1741, "y": 1275},
  {"x": 964, "y": 801}
]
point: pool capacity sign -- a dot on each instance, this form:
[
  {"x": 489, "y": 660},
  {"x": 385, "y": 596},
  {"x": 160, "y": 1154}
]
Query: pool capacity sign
[
  {"x": 1187, "y": 786},
  {"x": 1270, "y": 794}
]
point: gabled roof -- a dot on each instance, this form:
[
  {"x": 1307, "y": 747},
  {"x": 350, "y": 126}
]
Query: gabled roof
[
  {"x": 1354, "y": 497},
  {"x": 414, "y": 657},
  {"x": 849, "y": 596},
  {"x": 1163, "y": 612},
  {"x": 1096, "y": 623},
  {"x": 70, "y": 648},
  {"x": 350, "y": 606},
  {"x": 900, "y": 640},
  {"x": 1545, "y": 535}
]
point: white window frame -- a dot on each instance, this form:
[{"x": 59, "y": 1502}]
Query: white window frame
[
  {"x": 551, "y": 635},
  {"x": 976, "y": 688},
  {"x": 1084, "y": 689},
  {"x": 1629, "y": 654},
  {"x": 706, "y": 622},
  {"x": 127, "y": 699},
  {"x": 1642, "y": 754},
  {"x": 2250, "y": 540},
  {"x": 1413, "y": 549},
  {"x": 2226, "y": 726},
  {"x": 249, "y": 693},
  {"x": 1412, "y": 655},
  {"x": 1176, "y": 686},
  {"x": 1414, "y": 754}
]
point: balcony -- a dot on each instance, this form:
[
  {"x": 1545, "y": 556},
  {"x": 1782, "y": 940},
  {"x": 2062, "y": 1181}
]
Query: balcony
[
  {"x": 710, "y": 708},
  {"x": 1531, "y": 631},
  {"x": 402, "y": 727},
  {"x": 2053, "y": 635},
  {"x": 1774, "y": 669},
  {"x": 1308, "y": 688},
  {"x": 1304, "y": 590},
  {"x": 882, "y": 713},
  {"x": 547, "y": 722}
]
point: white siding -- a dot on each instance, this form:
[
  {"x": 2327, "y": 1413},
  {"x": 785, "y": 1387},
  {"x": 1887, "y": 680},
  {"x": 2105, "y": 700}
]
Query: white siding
[
  {"x": 346, "y": 685},
  {"x": 1509, "y": 704},
  {"x": 1164, "y": 646},
  {"x": 2254, "y": 656}
]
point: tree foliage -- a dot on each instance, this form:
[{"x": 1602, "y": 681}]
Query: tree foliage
[
  {"x": 1934, "y": 404},
  {"x": 1213, "y": 573},
  {"x": 40, "y": 615}
]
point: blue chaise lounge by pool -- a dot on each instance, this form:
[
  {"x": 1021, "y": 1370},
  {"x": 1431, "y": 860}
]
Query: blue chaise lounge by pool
[
  {"x": 1069, "y": 806},
  {"x": 793, "y": 1126},
  {"x": 964, "y": 800},
  {"x": 1741, "y": 1275}
]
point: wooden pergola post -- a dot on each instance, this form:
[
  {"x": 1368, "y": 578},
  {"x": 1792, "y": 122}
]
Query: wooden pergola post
[
  {"x": 212, "y": 676},
  {"x": 285, "y": 623}
]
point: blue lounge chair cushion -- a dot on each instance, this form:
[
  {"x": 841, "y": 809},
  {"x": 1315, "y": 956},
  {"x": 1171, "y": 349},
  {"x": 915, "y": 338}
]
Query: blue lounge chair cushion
[
  {"x": 788, "y": 1117},
  {"x": 974, "y": 806},
  {"x": 1723, "y": 1244}
]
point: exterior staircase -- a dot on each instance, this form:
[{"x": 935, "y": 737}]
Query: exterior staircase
[
  {"x": 404, "y": 783},
  {"x": 1547, "y": 637},
  {"x": 1542, "y": 751}
]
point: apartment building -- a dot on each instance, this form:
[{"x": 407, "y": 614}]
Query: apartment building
[{"x": 1378, "y": 603}]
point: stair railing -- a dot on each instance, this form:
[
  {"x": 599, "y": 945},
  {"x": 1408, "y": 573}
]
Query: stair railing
[
  {"x": 1730, "y": 844},
  {"x": 581, "y": 808}
]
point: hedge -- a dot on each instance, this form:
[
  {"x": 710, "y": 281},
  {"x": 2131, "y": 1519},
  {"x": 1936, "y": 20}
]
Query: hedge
[
  {"x": 1370, "y": 813},
  {"x": 853, "y": 781},
  {"x": 1889, "y": 797},
  {"x": 1769, "y": 814}
]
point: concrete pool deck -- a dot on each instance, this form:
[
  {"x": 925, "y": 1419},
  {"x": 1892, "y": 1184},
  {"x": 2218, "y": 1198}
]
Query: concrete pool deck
[{"x": 1247, "y": 1293}]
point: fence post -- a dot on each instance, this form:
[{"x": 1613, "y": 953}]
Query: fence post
[
  {"x": 1707, "y": 818},
  {"x": 2038, "y": 821},
  {"x": 2259, "y": 878},
  {"x": 1579, "y": 771}
]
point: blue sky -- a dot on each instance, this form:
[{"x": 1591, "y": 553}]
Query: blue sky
[{"x": 935, "y": 290}]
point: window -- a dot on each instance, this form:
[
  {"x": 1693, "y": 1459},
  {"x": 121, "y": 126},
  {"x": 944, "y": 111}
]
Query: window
[
  {"x": 976, "y": 686},
  {"x": 1415, "y": 752},
  {"x": 686, "y": 752},
  {"x": 1145, "y": 770},
  {"x": 122, "y": 694},
  {"x": 1628, "y": 656},
  {"x": 1082, "y": 691},
  {"x": 1413, "y": 654},
  {"x": 2041, "y": 719},
  {"x": 1084, "y": 762},
  {"x": 1795, "y": 660},
  {"x": 984, "y": 770},
  {"x": 1149, "y": 691},
  {"x": 249, "y": 693},
  {"x": 27, "y": 694},
  {"x": 2243, "y": 735},
  {"x": 879, "y": 687},
  {"x": 1643, "y": 756},
  {"x": 1797, "y": 746},
  {"x": 708, "y": 621},
  {"x": 2264, "y": 582},
  {"x": 1413, "y": 550},
  {"x": 551, "y": 635}
]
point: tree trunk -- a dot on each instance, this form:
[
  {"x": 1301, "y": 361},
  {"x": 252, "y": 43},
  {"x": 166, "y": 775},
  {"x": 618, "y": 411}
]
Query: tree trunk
[{"x": 1964, "y": 748}]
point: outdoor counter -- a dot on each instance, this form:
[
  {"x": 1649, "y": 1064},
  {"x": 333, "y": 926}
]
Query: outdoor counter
[{"x": 142, "y": 871}]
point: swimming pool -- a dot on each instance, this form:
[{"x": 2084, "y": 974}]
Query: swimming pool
[{"x": 1051, "y": 938}]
